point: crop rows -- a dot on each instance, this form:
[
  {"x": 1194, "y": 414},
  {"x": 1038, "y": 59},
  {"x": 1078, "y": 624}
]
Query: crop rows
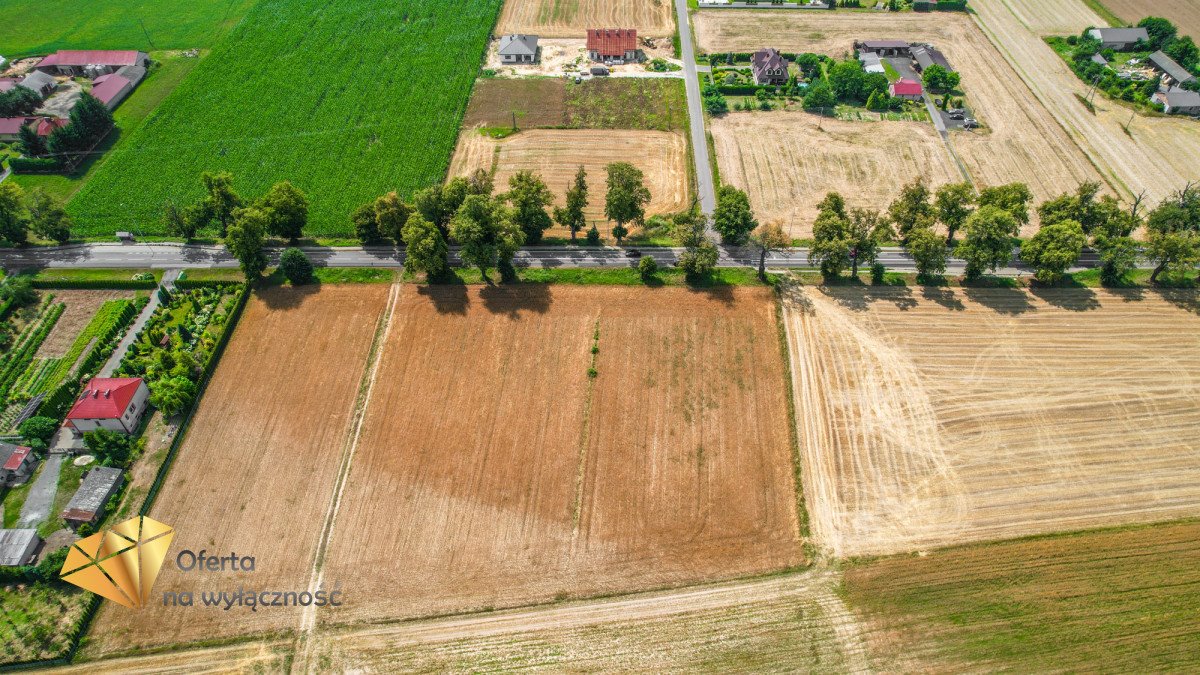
[
  {"x": 347, "y": 100},
  {"x": 46, "y": 374},
  {"x": 27, "y": 345}
]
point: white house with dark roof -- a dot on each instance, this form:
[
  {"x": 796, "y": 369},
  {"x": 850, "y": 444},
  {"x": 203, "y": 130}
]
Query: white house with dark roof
[
  {"x": 18, "y": 463},
  {"x": 1120, "y": 39},
  {"x": 519, "y": 48}
]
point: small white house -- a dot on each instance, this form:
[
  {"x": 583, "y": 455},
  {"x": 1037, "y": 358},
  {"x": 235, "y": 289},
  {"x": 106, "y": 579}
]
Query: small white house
[
  {"x": 113, "y": 403},
  {"x": 519, "y": 49},
  {"x": 18, "y": 466}
]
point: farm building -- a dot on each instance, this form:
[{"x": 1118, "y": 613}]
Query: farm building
[
  {"x": 10, "y": 127},
  {"x": 113, "y": 403},
  {"x": 613, "y": 44},
  {"x": 47, "y": 125},
  {"x": 40, "y": 82},
  {"x": 925, "y": 56},
  {"x": 909, "y": 90},
  {"x": 1120, "y": 39},
  {"x": 1173, "y": 73},
  {"x": 111, "y": 89},
  {"x": 1178, "y": 101},
  {"x": 87, "y": 505},
  {"x": 884, "y": 47},
  {"x": 871, "y": 62},
  {"x": 519, "y": 49},
  {"x": 18, "y": 547},
  {"x": 1099, "y": 60},
  {"x": 7, "y": 83},
  {"x": 769, "y": 67},
  {"x": 91, "y": 62},
  {"x": 18, "y": 466}
]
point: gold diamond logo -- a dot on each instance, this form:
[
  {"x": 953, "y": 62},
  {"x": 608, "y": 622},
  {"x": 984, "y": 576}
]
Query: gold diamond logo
[{"x": 121, "y": 563}]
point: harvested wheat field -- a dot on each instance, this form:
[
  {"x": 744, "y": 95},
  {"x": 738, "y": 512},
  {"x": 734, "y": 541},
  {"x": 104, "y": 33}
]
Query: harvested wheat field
[
  {"x": 788, "y": 161},
  {"x": 256, "y": 471},
  {"x": 572, "y": 18},
  {"x": 1022, "y": 142},
  {"x": 939, "y": 416},
  {"x": 1060, "y": 17},
  {"x": 81, "y": 306},
  {"x": 1157, "y": 155},
  {"x": 1184, "y": 13},
  {"x": 1123, "y": 600},
  {"x": 529, "y": 481},
  {"x": 556, "y": 154}
]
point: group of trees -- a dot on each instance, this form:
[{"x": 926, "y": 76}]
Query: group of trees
[
  {"x": 19, "y": 102},
  {"x": 89, "y": 121},
  {"x": 847, "y": 82},
  {"x": 21, "y": 212},
  {"x": 1165, "y": 36},
  {"x": 940, "y": 79}
]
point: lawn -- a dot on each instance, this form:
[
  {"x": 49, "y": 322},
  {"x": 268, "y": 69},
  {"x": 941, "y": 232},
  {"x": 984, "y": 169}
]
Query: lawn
[
  {"x": 68, "y": 275},
  {"x": 343, "y": 119},
  {"x": 35, "y": 620},
  {"x": 166, "y": 75},
  {"x": 44, "y": 26}
]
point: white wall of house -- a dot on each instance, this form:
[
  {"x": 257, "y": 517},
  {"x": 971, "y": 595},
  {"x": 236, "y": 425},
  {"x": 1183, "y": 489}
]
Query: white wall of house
[{"x": 127, "y": 423}]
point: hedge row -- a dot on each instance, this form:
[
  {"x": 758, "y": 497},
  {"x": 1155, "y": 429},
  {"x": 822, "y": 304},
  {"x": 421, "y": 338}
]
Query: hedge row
[
  {"x": 96, "y": 284},
  {"x": 192, "y": 284},
  {"x": 34, "y": 165}
]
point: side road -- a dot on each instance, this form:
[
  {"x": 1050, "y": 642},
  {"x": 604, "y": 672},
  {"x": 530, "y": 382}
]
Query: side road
[{"x": 190, "y": 256}]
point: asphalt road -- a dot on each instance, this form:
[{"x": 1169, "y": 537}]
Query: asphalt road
[
  {"x": 687, "y": 51},
  {"x": 180, "y": 256}
]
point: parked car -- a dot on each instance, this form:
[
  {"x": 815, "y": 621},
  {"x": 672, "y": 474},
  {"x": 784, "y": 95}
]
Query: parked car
[
  {"x": 956, "y": 116},
  {"x": 970, "y": 124},
  {"x": 633, "y": 253}
]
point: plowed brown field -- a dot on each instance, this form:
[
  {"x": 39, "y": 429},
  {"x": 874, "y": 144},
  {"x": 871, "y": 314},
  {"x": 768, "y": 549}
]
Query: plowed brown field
[
  {"x": 556, "y": 154},
  {"x": 492, "y": 471},
  {"x": 937, "y": 417},
  {"x": 572, "y": 18},
  {"x": 256, "y": 470},
  {"x": 1022, "y": 142},
  {"x": 1185, "y": 13},
  {"x": 787, "y": 162}
]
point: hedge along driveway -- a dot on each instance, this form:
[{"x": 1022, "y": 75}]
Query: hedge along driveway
[{"x": 347, "y": 100}]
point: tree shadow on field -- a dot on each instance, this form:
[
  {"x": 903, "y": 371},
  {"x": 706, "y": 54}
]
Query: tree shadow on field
[
  {"x": 720, "y": 292},
  {"x": 942, "y": 295},
  {"x": 512, "y": 299},
  {"x": 448, "y": 295},
  {"x": 287, "y": 297},
  {"x": 791, "y": 294},
  {"x": 1001, "y": 299},
  {"x": 1069, "y": 294},
  {"x": 856, "y": 296},
  {"x": 1186, "y": 299}
]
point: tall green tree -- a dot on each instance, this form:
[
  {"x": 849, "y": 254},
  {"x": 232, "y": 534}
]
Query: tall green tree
[
  {"x": 768, "y": 238},
  {"x": 939, "y": 79},
  {"x": 987, "y": 243},
  {"x": 572, "y": 215},
  {"x": 1173, "y": 233},
  {"x": 627, "y": 196},
  {"x": 172, "y": 395},
  {"x": 296, "y": 266},
  {"x": 912, "y": 209},
  {"x": 700, "y": 254},
  {"x": 733, "y": 217},
  {"x": 366, "y": 224},
  {"x": 220, "y": 199},
  {"x": 486, "y": 233},
  {"x": 425, "y": 248},
  {"x": 29, "y": 143},
  {"x": 954, "y": 203},
  {"x": 929, "y": 252},
  {"x": 862, "y": 232},
  {"x": 287, "y": 211},
  {"x": 1118, "y": 257},
  {"x": 529, "y": 197},
  {"x": 820, "y": 98},
  {"x": 831, "y": 244},
  {"x": 246, "y": 238},
  {"x": 1013, "y": 198},
  {"x": 14, "y": 217},
  {"x": 1162, "y": 32},
  {"x": 47, "y": 217},
  {"x": 391, "y": 215},
  {"x": 1054, "y": 249}
]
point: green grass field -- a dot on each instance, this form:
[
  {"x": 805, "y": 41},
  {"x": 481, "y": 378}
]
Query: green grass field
[
  {"x": 44, "y": 26},
  {"x": 347, "y": 100}
]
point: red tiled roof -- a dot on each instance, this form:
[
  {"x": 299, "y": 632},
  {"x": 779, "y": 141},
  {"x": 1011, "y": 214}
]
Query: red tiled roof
[
  {"x": 49, "y": 124},
  {"x": 7, "y": 83},
  {"x": 12, "y": 125},
  {"x": 15, "y": 459},
  {"x": 906, "y": 87},
  {"x": 90, "y": 57},
  {"x": 612, "y": 41},
  {"x": 105, "y": 398},
  {"x": 109, "y": 88}
]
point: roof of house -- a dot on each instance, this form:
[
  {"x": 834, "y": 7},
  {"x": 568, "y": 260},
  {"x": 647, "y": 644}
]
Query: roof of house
[
  {"x": 105, "y": 398},
  {"x": 1099, "y": 58},
  {"x": 7, "y": 83},
  {"x": 518, "y": 45},
  {"x": 1122, "y": 34},
  {"x": 15, "y": 544},
  {"x": 95, "y": 490},
  {"x": 1171, "y": 67},
  {"x": 612, "y": 41},
  {"x": 47, "y": 125},
  {"x": 92, "y": 57},
  {"x": 768, "y": 59},
  {"x": 11, "y": 126},
  {"x": 135, "y": 74},
  {"x": 871, "y": 45},
  {"x": 927, "y": 56},
  {"x": 1180, "y": 98},
  {"x": 36, "y": 80},
  {"x": 110, "y": 88},
  {"x": 16, "y": 455},
  {"x": 870, "y": 59},
  {"x": 907, "y": 87}
]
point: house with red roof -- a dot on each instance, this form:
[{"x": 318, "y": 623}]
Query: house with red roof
[
  {"x": 10, "y": 127},
  {"x": 613, "y": 45},
  {"x": 18, "y": 465},
  {"x": 47, "y": 125},
  {"x": 91, "y": 62},
  {"x": 113, "y": 403},
  {"x": 909, "y": 90},
  {"x": 7, "y": 83}
]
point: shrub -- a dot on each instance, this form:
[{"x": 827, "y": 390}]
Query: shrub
[
  {"x": 647, "y": 267},
  {"x": 296, "y": 266},
  {"x": 593, "y": 236},
  {"x": 877, "y": 271}
]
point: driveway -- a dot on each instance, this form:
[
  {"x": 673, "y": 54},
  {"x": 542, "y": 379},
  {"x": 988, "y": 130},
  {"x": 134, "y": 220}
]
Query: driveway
[
  {"x": 131, "y": 335},
  {"x": 62, "y": 101},
  {"x": 36, "y": 508}
]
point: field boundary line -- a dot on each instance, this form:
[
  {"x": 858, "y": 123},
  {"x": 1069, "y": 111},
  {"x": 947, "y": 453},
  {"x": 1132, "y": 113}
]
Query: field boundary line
[
  {"x": 366, "y": 386},
  {"x": 585, "y": 435}
]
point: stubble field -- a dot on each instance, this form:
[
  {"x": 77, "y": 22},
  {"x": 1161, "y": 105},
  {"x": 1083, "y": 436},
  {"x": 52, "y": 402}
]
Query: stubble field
[
  {"x": 1184, "y": 13},
  {"x": 256, "y": 470},
  {"x": 1022, "y": 141},
  {"x": 935, "y": 419},
  {"x": 788, "y": 161},
  {"x": 529, "y": 481},
  {"x": 556, "y": 154},
  {"x": 572, "y": 18}
]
